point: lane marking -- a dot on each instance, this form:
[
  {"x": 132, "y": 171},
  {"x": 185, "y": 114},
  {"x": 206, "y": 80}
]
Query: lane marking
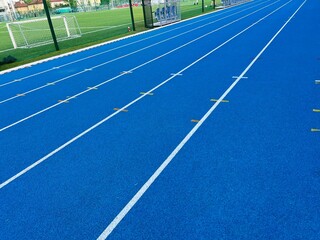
[
  {"x": 142, "y": 49},
  {"x": 176, "y": 74},
  {"x": 152, "y": 60},
  {"x": 315, "y": 130},
  {"x": 113, "y": 224},
  {"x": 121, "y": 109},
  {"x": 53, "y": 106},
  {"x": 41, "y": 87},
  {"x": 63, "y": 101},
  {"x": 238, "y": 76},
  {"x": 216, "y": 100},
  {"x": 150, "y": 94},
  {"x": 213, "y": 15},
  {"x": 126, "y": 72},
  {"x": 21, "y": 95},
  {"x": 156, "y": 174},
  {"x": 50, "y": 83},
  {"x": 92, "y": 88}
]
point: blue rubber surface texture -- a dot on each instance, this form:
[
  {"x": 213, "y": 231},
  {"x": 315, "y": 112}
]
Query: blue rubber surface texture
[{"x": 251, "y": 171}]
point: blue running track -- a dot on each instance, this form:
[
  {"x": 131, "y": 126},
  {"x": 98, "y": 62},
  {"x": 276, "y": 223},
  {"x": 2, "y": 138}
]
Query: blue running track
[{"x": 204, "y": 129}]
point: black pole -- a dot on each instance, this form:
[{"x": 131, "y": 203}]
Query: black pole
[
  {"x": 214, "y": 4},
  {"x": 144, "y": 14},
  {"x": 50, "y": 25},
  {"x": 132, "y": 18},
  {"x": 203, "y": 6}
]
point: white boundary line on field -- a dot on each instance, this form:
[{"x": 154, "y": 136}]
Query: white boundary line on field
[
  {"x": 116, "y": 77},
  {"x": 156, "y": 174},
  {"x": 30, "y": 167},
  {"x": 103, "y": 28},
  {"x": 115, "y": 40},
  {"x": 7, "y": 50}
]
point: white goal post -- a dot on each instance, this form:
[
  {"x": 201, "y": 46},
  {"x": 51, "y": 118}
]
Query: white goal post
[{"x": 36, "y": 32}]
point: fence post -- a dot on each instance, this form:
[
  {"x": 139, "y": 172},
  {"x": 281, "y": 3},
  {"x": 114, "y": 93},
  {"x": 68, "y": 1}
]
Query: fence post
[
  {"x": 132, "y": 17},
  {"x": 50, "y": 25}
]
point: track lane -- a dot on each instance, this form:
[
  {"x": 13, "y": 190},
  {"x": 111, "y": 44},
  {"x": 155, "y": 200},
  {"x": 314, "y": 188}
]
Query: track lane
[
  {"x": 63, "y": 123},
  {"x": 63, "y": 195}
]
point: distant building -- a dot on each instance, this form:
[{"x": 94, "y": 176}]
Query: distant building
[
  {"x": 7, "y": 11},
  {"x": 58, "y": 3},
  {"x": 36, "y": 5},
  {"x": 87, "y": 3},
  {"x": 23, "y": 7}
]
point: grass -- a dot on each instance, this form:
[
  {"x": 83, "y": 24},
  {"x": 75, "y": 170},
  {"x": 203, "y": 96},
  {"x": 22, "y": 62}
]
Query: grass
[
  {"x": 5, "y": 38},
  {"x": 96, "y": 27}
]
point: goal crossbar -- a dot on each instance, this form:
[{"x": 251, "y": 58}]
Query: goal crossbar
[{"x": 36, "y": 32}]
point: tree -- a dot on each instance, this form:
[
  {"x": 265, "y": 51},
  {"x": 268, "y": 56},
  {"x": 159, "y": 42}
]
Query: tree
[
  {"x": 73, "y": 3},
  {"x": 105, "y": 2},
  {"x": 49, "y": 4}
]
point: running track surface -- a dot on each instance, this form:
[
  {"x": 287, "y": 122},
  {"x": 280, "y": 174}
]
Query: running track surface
[{"x": 198, "y": 130}]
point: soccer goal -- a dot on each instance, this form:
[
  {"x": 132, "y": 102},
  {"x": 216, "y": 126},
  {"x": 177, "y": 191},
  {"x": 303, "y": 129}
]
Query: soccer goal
[{"x": 32, "y": 33}]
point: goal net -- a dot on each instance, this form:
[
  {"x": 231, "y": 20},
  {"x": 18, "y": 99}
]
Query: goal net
[{"x": 32, "y": 33}]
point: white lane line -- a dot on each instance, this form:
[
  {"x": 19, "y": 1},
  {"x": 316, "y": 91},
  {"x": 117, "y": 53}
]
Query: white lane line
[
  {"x": 41, "y": 87},
  {"x": 57, "y": 104},
  {"x": 137, "y": 51},
  {"x": 175, "y": 74},
  {"x": 237, "y": 77},
  {"x": 129, "y": 54},
  {"x": 125, "y": 45},
  {"x": 140, "y": 66},
  {"x": 156, "y": 174},
  {"x": 122, "y": 46},
  {"x": 126, "y": 72},
  {"x": 128, "y": 105}
]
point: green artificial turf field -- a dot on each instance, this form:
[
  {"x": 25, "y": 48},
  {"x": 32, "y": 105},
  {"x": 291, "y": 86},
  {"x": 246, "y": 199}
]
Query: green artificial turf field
[{"x": 96, "y": 27}]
